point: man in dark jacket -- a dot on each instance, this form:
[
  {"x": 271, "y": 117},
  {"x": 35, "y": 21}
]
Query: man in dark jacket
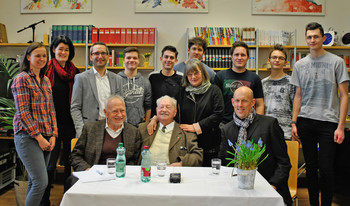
[{"x": 247, "y": 125}]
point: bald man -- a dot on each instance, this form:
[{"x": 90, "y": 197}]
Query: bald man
[{"x": 247, "y": 125}]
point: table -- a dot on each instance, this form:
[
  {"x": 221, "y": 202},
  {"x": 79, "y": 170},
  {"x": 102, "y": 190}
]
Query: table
[{"x": 198, "y": 187}]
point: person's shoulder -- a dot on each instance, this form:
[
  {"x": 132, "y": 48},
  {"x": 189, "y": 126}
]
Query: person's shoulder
[
  {"x": 265, "y": 119},
  {"x": 228, "y": 126},
  {"x": 266, "y": 79},
  {"x": 128, "y": 126}
]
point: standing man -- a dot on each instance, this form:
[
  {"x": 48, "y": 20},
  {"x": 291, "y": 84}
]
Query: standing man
[
  {"x": 196, "y": 49},
  {"x": 135, "y": 89},
  {"x": 278, "y": 92},
  {"x": 319, "y": 112},
  {"x": 166, "y": 81},
  {"x": 92, "y": 88},
  {"x": 231, "y": 79}
]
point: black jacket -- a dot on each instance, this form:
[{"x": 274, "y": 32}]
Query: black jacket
[
  {"x": 207, "y": 109},
  {"x": 275, "y": 168}
]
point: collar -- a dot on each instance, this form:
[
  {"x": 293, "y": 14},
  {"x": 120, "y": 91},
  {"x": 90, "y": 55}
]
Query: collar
[
  {"x": 112, "y": 133},
  {"x": 169, "y": 127},
  {"x": 98, "y": 74}
]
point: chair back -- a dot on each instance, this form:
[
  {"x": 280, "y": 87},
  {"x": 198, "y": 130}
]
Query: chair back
[
  {"x": 293, "y": 153},
  {"x": 72, "y": 143}
]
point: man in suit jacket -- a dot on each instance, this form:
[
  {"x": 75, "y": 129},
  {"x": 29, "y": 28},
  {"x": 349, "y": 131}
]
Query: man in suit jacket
[
  {"x": 92, "y": 88},
  {"x": 169, "y": 142},
  {"x": 247, "y": 125},
  {"x": 100, "y": 139}
]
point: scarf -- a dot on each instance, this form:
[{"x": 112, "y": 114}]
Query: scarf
[
  {"x": 66, "y": 74},
  {"x": 201, "y": 89},
  {"x": 243, "y": 124}
]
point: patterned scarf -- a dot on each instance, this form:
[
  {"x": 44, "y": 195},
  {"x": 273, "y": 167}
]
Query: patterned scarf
[
  {"x": 201, "y": 89},
  {"x": 243, "y": 124},
  {"x": 66, "y": 74}
]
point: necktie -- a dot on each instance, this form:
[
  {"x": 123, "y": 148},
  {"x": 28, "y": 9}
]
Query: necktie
[{"x": 163, "y": 129}]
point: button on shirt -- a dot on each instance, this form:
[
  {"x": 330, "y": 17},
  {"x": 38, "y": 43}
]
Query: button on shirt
[{"x": 103, "y": 91}]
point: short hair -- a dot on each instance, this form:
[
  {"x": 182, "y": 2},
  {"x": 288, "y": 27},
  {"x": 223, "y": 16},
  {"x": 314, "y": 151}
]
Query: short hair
[
  {"x": 25, "y": 64},
  {"x": 131, "y": 49},
  {"x": 193, "y": 65},
  {"x": 170, "y": 48},
  {"x": 280, "y": 48},
  {"x": 167, "y": 97},
  {"x": 99, "y": 43},
  {"x": 239, "y": 44},
  {"x": 65, "y": 40},
  {"x": 112, "y": 97},
  {"x": 313, "y": 26},
  {"x": 197, "y": 41}
]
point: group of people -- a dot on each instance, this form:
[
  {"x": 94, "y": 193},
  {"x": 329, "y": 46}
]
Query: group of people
[{"x": 184, "y": 112}]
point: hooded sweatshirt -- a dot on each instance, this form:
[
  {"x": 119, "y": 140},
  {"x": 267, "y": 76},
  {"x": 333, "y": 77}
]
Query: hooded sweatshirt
[{"x": 137, "y": 94}]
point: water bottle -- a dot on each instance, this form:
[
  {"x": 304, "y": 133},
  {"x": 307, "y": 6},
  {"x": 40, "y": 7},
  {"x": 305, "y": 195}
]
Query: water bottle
[
  {"x": 120, "y": 161},
  {"x": 146, "y": 165}
]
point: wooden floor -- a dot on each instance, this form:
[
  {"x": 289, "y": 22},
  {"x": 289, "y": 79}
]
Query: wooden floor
[{"x": 7, "y": 197}]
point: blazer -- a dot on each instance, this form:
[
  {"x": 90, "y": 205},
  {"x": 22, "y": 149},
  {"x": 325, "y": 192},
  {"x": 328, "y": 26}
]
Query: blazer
[
  {"x": 84, "y": 103},
  {"x": 192, "y": 156},
  {"x": 87, "y": 151},
  {"x": 275, "y": 168}
]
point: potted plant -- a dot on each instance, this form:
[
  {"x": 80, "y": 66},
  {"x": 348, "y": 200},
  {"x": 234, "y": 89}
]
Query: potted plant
[
  {"x": 246, "y": 159},
  {"x": 147, "y": 56},
  {"x": 10, "y": 69}
]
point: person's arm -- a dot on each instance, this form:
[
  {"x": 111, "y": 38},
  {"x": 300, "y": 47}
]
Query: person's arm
[
  {"x": 147, "y": 100},
  {"x": 296, "y": 110},
  {"x": 260, "y": 106},
  {"x": 76, "y": 105},
  {"x": 148, "y": 115},
  {"x": 77, "y": 156},
  {"x": 343, "y": 93}
]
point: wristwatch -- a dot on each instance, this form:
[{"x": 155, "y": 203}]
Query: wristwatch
[{"x": 294, "y": 122}]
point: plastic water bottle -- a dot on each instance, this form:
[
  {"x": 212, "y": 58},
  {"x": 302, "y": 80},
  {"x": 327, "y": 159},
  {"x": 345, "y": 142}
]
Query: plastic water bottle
[
  {"x": 146, "y": 165},
  {"x": 120, "y": 161}
]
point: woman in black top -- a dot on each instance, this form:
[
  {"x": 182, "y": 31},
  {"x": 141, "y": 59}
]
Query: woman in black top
[
  {"x": 61, "y": 72},
  {"x": 201, "y": 108}
]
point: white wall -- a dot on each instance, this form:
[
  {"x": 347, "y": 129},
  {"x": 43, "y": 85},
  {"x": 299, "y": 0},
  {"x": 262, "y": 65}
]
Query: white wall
[{"x": 171, "y": 26}]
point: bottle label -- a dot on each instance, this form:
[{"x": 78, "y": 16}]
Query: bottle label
[
  {"x": 146, "y": 171},
  {"x": 120, "y": 166}
]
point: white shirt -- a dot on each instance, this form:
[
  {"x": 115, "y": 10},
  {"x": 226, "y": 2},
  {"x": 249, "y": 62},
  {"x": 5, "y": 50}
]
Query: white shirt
[
  {"x": 103, "y": 91},
  {"x": 112, "y": 133}
]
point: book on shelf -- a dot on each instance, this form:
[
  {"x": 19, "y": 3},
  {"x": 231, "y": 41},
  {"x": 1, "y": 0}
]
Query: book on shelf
[
  {"x": 3, "y": 34},
  {"x": 77, "y": 33},
  {"x": 272, "y": 37}
]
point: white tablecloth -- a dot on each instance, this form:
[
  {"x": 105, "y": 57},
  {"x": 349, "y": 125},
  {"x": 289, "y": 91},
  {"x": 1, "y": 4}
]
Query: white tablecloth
[{"x": 198, "y": 187}]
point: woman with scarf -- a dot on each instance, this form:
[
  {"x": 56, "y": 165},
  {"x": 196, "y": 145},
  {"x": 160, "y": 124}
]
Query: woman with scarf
[
  {"x": 201, "y": 108},
  {"x": 61, "y": 72}
]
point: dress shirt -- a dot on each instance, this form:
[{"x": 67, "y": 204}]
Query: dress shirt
[
  {"x": 103, "y": 91},
  {"x": 112, "y": 133}
]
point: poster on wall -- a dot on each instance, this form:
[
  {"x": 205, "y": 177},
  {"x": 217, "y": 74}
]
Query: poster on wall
[
  {"x": 289, "y": 7},
  {"x": 192, "y": 6},
  {"x": 55, "y": 6}
]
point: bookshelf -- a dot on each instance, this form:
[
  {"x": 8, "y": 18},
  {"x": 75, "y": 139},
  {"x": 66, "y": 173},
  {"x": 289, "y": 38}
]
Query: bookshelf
[{"x": 81, "y": 59}]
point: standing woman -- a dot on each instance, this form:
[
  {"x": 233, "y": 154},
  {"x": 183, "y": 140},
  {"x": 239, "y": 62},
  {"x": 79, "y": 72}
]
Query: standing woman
[
  {"x": 61, "y": 72},
  {"x": 201, "y": 108},
  {"x": 34, "y": 123}
]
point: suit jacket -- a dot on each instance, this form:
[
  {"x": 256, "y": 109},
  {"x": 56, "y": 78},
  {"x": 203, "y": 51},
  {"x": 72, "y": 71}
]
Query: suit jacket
[
  {"x": 275, "y": 168},
  {"x": 84, "y": 103},
  {"x": 192, "y": 156},
  {"x": 87, "y": 151}
]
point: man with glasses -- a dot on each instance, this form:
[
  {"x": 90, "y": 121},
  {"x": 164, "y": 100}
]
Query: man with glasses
[
  {"x": 278, "y": 92},
  {"x": 92, "y": 88}
]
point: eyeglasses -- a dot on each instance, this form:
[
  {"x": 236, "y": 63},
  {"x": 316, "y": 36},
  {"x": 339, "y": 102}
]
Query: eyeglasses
[
  {"x": 98, "y": 53},
  {"x": 276, "y": 57}
]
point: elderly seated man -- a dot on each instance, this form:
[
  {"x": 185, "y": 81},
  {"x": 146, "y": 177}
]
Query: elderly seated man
[
  {"x": 248, "y": 125},
  {"x": 169, "y": 142}
]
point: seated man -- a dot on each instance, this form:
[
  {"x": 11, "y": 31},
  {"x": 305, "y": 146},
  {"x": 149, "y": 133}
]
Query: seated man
[
  {"x": 247, "y": 125},
  {"x": 100, "y": 139},
  {"x": 169, "y": 142}
]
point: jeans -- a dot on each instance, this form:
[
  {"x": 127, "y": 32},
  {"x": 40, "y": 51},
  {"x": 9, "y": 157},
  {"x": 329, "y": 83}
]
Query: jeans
[
  {"x": 319, "y": 148},
  {"x": 35, "y": 161}
]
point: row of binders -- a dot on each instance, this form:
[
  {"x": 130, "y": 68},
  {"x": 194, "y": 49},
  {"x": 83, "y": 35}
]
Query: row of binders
[
  {"x": 124, "y": 35},
  {"x": 224, "y": 35},
  {"x": 77, "y": 33},
  {"x": 221, "y": 58}
]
